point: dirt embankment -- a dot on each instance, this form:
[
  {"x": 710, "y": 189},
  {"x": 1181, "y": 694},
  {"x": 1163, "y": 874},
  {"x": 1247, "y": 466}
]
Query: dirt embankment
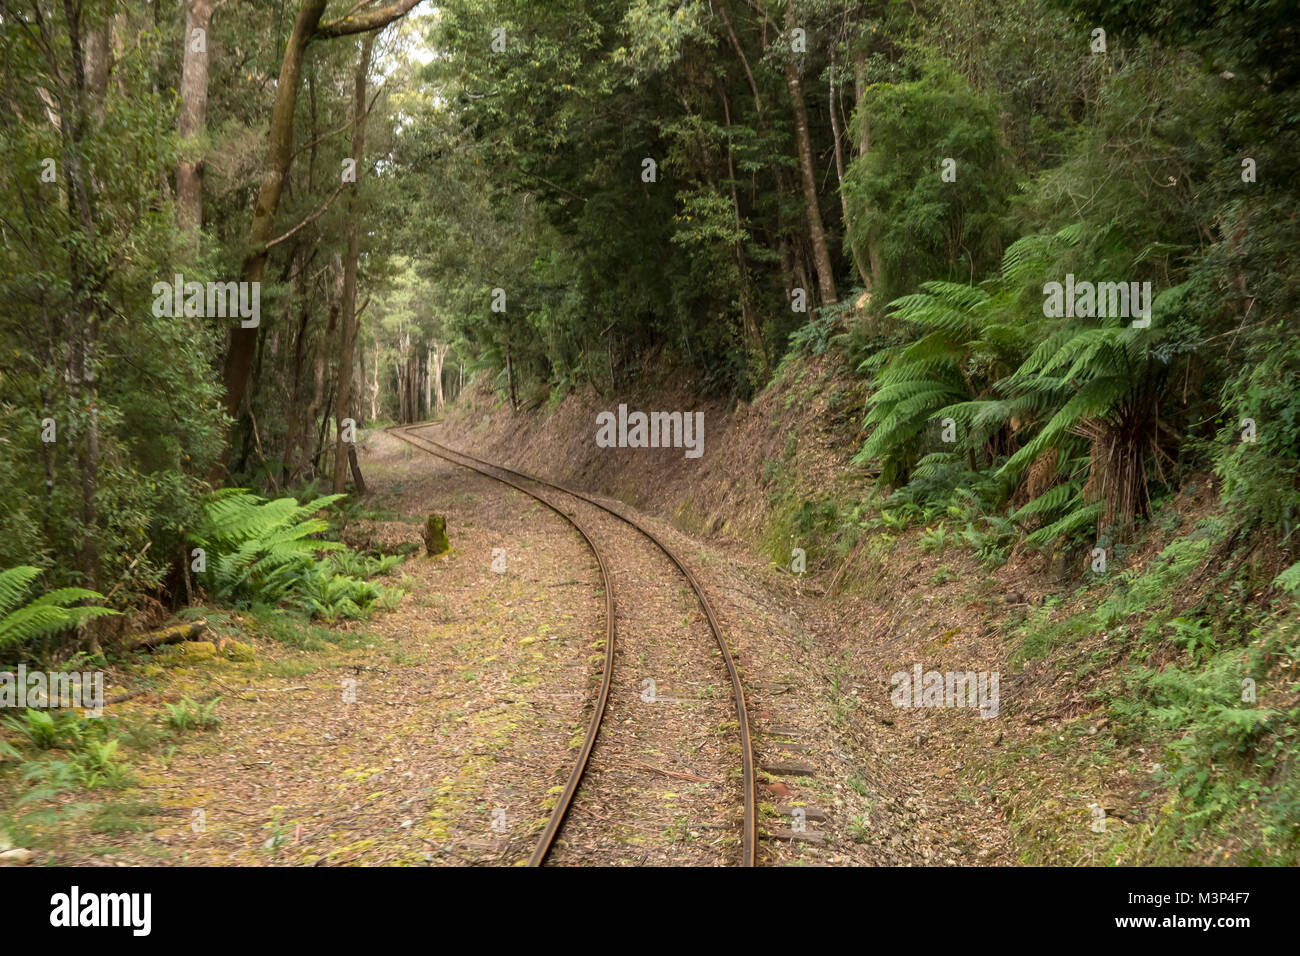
[{"x": 810, "y": 416}]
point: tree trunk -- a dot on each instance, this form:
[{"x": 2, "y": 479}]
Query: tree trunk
[
  {"x": 746, "y": 295},
  {"x": 439, "y": 355},
  {"x": 348, "y": 336},
  {"x": 90, "y": 54},
  {"x": 297, "y": 414},
  {"x": 275, "y": 166},
  {"x": 357, "y": 479},
  {"x": 310, "y": 425},
  {"x": 362, "y": 386},
  {"x": 402, "y": 364},
  {"x": 864, "y": 146},
  {"x": 821, "y": 254},
  {"x": 399, "y": 415},
  {"x": 419, "y": 372},
  {"x": 374, "y": 385},
  {"x": 322, "y": 436},
  {"x": 833, "y": 104},
  {"x": 428, "y": 378},
  {"x": 193, "y": 115}
]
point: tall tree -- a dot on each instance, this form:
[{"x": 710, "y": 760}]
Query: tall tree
[
  {"x": 345, "y": 452},
  {"x": 803, "y": 141}
]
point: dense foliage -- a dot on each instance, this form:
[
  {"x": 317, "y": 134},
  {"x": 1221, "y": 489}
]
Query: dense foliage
[
  {"x": 561, "y": 193},
  {"x": 962, "y": 157}
]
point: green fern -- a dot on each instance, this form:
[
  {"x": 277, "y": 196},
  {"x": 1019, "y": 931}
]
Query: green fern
[
  {"x": 1052, "y": 500},
  {"x": 336, "y": 596},
  {"x": 256, "y": 548},
  {"x": 973, "y": 338},
  {"x": 1075, "y": 520},
  {"x": 47, "y": 614},
  {"x": 188, "y": 715},
  {"x": 1090, "y": 388},
  {"x": 41, "y": 728},
  {"x": 1289, "y": 580},
  {"x": 358, "y": 565},
  {"x": 967, "y": 342},
  {"x": 1028, "y": 257}
]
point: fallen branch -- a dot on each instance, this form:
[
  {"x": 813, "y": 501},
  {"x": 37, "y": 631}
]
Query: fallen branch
[
  {"x": 127, "y": 696},
  {"x": 190, "y": 631},
  {"x": 112, "y": 700}
]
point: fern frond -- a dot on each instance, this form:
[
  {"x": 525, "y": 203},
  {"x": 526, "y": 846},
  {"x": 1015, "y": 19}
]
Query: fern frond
[
  {"x": 1051, "y": 500},
  {"x": 1079, "y": 518},
  {"x": 1070, "y": 235},
  {"x": 13, "y": 585},
  {"x": 1289, "y": 580},
  {"x": 63, "y": 596},
  {"x": 1023, "y": 258}
]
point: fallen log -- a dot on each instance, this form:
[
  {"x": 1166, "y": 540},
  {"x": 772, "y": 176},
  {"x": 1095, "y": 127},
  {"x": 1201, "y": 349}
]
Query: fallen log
[{"x": 189, "y": 631}]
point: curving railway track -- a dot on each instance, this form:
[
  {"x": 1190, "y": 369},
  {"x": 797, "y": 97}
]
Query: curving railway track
[{"x": 529, "y": 485}]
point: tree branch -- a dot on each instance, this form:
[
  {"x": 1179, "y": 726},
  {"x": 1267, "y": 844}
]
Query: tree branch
[
  {"x": 365, "y": 22},
  {"x": 312, "y": 218},
  {"x": 334, "y": 132}
]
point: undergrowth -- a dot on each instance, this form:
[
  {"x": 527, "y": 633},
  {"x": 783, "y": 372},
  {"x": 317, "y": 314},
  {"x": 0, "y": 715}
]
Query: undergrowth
[{"x": 1203, "y": 684}]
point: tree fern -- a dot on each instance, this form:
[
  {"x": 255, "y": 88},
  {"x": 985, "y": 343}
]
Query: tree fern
[
  {"x": 1089, "y": 385},
  {"x": 1097, "y": 382},
  {"x": 965, "y": 344}
]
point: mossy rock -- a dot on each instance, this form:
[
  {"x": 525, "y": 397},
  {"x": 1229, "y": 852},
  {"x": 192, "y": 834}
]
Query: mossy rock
[
  {"x": 238, "y": 651},
  {"x": 435, "y": 535},
  {"x": 199, "y": 650}
]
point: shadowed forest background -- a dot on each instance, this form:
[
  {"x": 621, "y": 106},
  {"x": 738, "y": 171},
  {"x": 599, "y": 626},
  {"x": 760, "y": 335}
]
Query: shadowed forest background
[{"x": 537, "y": 199}]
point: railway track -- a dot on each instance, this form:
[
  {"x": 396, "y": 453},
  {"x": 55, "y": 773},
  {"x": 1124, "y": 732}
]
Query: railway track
[{"x": 521, "y": 482}]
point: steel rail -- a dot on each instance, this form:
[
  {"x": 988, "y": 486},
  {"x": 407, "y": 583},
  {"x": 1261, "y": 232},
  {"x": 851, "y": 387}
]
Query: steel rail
[
  {"x": 556, "y": 819},
  {"x": 749, "y": 834}
]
